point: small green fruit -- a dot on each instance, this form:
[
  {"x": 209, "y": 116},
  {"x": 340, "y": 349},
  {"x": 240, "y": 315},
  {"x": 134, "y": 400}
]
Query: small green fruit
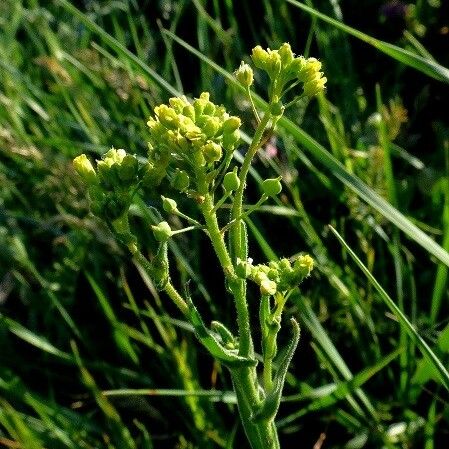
[
  {"x": 231, "y": 181},
  {"x": 169, "y": 205},
  {"x": 277, "y": 108},
  {"x": 272, "y": 186},
  {"x": 162, "y": 232}
]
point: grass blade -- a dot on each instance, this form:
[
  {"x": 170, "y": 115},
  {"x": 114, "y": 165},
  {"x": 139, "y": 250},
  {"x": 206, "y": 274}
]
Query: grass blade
[
  {"x": 426, "y": 66},
  {"x": 403, "y": 320}
]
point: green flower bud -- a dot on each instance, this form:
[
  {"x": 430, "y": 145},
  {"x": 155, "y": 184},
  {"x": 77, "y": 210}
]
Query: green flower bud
[
  {"x": 259, "y": 57},
  {"x": 273, "y": 64},
  {"x": 169, "y": 205},
  {"x": 162, "y": 232},
  {"x": 286, "y": 54},
  {"x": 243, "y": 269},
  {"x": 277, "y": 108},
  {"x": 167, "y": 116},
  {"x": 105, "y": 173},
  {"x": 231, "y": 124},
  {"x": 198, "y": 158},
  {"x": 230, "y": 140},
  {"x": 180, "y": 180},
  {"x": 189, "y": 111},
  {"x": 85, "y": 169},
  {"x": 296, "y": 66},
  {"x": 209, "y": 108},
  {"x": 244, "y": 75},
  {"x": 268, "y": 287},
  {"x": 115, "y": 206},
  {"x": 212, "y": 152},
  {"x": 315, "y": 86},
  {"x": 303, "y": 266},
  {"x": 231, "y": 181},
  {"x": 152, "y": 176},
  {"x": 211, "y": 126},
  {"x": 127, "y": 170},
  {"x": 272, "y": 187},
  {"x": 178, "y": 103},
  {"x": 198, "y": 105}
]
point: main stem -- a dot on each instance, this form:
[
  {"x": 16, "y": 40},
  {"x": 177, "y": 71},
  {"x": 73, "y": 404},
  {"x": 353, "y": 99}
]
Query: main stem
[
  {"x": 244, "y": 169},
  {"x": 261, "y": 435}
]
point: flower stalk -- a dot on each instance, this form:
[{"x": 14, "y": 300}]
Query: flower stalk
[{"x": 190, "y": 148}]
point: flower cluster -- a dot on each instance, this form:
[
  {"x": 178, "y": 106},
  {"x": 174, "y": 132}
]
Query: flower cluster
[
  {"x": 193, "y": 136},
  {"x": 277, "y": 276},
  {"x": 111, "y": 185},
  {"x": 282, "y": 67}
]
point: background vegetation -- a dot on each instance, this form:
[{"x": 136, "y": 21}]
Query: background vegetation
[{"x": 89, "y": 357}]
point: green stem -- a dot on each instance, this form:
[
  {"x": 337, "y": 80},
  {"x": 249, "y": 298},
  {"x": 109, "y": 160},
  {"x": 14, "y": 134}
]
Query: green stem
[
  {"x": 169, "y": 288},
  {"x": 216, "y": 237},
  {"x": 244, "y": 169},
  {"x": 246, "y": 347},
  {"x": 263, "y": 434}
]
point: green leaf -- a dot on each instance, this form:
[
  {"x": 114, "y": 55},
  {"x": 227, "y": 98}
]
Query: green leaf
[
  {"x": 226, "y": 356},
  {"x": 271, "y": 403}
]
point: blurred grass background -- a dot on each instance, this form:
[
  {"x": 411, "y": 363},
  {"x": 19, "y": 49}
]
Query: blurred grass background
[{"x": 91, "y": 356}]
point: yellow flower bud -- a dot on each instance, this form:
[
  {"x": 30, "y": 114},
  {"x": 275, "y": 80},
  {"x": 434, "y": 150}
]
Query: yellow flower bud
[
  {"x": 231, "y": 124},
  {"x": 244, "y": 75},
  {"x": 273, "y": 66},
  {"x": 212, "y": 152},
  {"x": 315, "y": 86},
  {"x": 268, "y": 287},
  {"x": 286, "y": 54},
  {"x": 259, "y": 57},
  {"x": 85, "y": 169},
  {"x": 167, "y": 116}
]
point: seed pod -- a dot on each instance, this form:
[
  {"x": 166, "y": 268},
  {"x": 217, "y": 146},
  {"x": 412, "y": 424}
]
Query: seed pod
[
  {"x": 272, "y": 187},
  {"x": 231, "y": 181},
  {"x": 169, "y": 205},
  {"x": 162, "y": 232},
  {"x": 277, "y": 108}
]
